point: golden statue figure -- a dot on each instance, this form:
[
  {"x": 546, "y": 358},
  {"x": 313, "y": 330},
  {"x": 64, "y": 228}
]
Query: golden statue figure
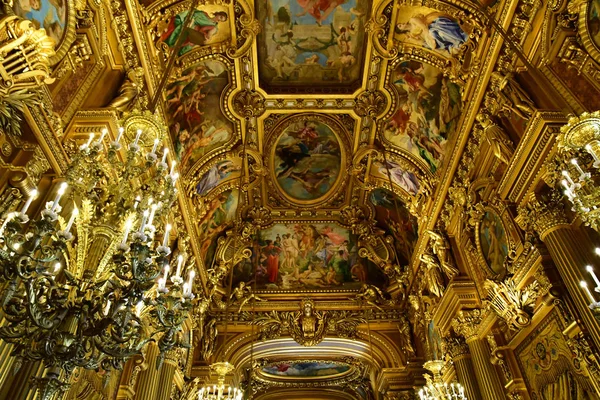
[
  {"x": 372, "y": 295},
  {"x": 441, "y": 248},
  {"x": 516, "y": 99},
  {"x": 433, "y": 275},
  {"x": 497, "y": 138},
  {"x": 307, "y": 326},
  {"x": 129, "y": 90},
  {"x": 243, "y": 294}
]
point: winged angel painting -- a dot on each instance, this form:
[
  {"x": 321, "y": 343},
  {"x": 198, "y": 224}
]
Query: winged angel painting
[{"x": 427, "y": 114}]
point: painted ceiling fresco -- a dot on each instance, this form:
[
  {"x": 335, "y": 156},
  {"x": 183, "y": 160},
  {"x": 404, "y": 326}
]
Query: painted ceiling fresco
[
  {"x": 311, "y": 45},
  {"x": 321, "y": 119}
]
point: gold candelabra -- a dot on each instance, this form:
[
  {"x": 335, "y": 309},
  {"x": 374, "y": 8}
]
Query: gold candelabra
[
  {"x": 93, "y": 292},
  {"x": 435, "y": 388},
  {"x": 220, "y": 391}
]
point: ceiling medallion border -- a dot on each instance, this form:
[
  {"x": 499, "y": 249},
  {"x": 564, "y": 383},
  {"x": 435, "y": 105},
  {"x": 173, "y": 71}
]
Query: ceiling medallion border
[{"x": 340, "y": 127}]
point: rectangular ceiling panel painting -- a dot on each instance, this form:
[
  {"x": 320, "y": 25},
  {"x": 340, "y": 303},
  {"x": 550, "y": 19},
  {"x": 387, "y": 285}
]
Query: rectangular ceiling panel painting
[
  {"x": 305, "y": 257},
  {"x": 310, "y": 45}
]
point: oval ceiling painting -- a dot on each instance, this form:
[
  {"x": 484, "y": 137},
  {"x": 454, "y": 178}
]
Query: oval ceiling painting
[
  {"x": 306, "y": 369},
  {"x": 307, "y": 159}
]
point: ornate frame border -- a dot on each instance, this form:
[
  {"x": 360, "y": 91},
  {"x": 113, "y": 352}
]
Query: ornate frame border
[
  {"x": 584, "y": 31},
  {"x": 272, "y": 138},
  {"x": 259, "y": 374},
  {"x": 509, "y": 232}
]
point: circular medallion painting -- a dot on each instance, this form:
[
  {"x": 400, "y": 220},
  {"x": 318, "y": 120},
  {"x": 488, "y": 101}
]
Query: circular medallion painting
[
  {"x": 493, "y": 241},
  {"x": 307, "y": 159},
  {"x": 48, "y": 14},
  {"x": 593, "y": 21}
]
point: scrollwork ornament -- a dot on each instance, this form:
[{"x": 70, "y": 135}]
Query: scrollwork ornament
[
  {"x": 370, "y": 103},
  {"x": 512, "y": 304}
]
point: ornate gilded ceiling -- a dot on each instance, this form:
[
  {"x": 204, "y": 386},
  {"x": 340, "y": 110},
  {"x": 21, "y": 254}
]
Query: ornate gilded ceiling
[{"x": 336, "y": 118}]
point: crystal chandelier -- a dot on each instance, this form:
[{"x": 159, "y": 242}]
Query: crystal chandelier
[
  {"x": 220, "y": 391},
  {"x": 576, "y": 165},
  {"x": 436, "y": 389},
  {"x": 93, "y": 292}
]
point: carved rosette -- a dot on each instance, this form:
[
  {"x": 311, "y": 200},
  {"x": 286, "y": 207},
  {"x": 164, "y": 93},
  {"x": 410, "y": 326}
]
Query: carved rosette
[
  {"x": 542, "y": 215},
  {"x": 249, "y": 104},
  {"x": 370, "y": 103},
  {"x": 467, "y": 323}
]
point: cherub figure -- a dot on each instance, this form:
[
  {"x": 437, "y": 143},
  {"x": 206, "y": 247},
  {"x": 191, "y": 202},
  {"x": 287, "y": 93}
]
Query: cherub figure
[
  {"x": 372, "y": 295},
  {"x": 243, "y": 294}
]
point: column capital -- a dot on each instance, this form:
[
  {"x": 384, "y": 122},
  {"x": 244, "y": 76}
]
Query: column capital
[
  {"x": 457, "y": 347},
  {"x": 467, "y": 323},
  {"x": 542, "y": 214}
]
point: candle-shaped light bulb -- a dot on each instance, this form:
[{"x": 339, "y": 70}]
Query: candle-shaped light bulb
[
  {"x": 104, "y": 132},
  {"x": 152, "y": 212},
  {"x": 85, "y": 146},
  {"x": 166, "y": 237},
  {"x": 589, "y": 149},
  {"x": 144, "y": 219},
  {"x": 121, "y": 131},
  {"x": 577, "y": 167},
  {"x": 72, "y": 219},
  {"x": 173, "y": 164},
  {"x": 137, "y": 202},
  {"x": 107, "y": 307},
  {"x": 165, "y": 152},
  {"x": 61, "y": 190},
  {"x": 128, "y": 225},
  {"x": 179, "y": 265},
  {"x": 138, "y": 308},
  {"x": 137, "y": 137},
  {"x": 191, "y": 276},
  {"x": 593, "y": 274},
  {"x": 56, "y": 268},
  {"x": 585, "y": 288},
  {"x": 156, "y": 142},
  {"x": 32, "y": 196},
  {"x": 568, "y": 178},
  {"x": 597, "y": 251}
]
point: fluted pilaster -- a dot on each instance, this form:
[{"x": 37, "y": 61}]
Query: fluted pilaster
[
  {"x": 147, "y": 383},
  {"x": 570, "y": 249},
  {"x": 167, "y": 374},
  {"x": 467, "y": 325},
  {"x": 463, "y": 364}
]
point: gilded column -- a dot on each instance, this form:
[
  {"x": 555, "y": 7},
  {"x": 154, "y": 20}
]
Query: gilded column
[
  {"x": 147, "y": 383},
  {"x": 569, "y": 248},
  {"x": 467, "y": 325},
  {"x": 463, "y": 364},
  {"x": 167, "y": 374},
  {"x": 128, "y": 379}
]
